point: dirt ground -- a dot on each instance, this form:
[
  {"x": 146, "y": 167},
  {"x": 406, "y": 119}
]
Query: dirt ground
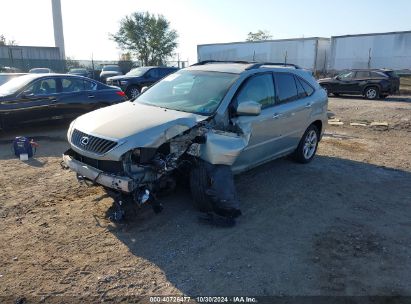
[{"x": 337, "y": 226}]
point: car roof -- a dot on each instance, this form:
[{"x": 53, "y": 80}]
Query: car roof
[
  {"x": 239, "y": 66},
  {"x": 381, "y": 70}
]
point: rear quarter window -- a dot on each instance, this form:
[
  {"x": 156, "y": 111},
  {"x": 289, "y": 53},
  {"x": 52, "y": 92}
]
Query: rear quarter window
[{"x": 309, "y": 90}]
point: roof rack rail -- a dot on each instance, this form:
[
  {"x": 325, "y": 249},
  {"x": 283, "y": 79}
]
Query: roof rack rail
[
  {"x": 221, "y": 61},
  {"x": 254, "y": 64},
  {"x": 257, "y": 65}
]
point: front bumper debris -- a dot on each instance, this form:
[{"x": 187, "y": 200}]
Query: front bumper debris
[{"x": 120, "y": 183}]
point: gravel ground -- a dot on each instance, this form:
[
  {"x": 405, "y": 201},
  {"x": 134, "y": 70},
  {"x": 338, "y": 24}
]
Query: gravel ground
[{"x": 337, "y": 226}]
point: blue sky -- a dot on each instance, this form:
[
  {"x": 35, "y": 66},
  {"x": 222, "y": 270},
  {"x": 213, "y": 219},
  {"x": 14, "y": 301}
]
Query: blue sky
[{"x": 87, "y": 23}]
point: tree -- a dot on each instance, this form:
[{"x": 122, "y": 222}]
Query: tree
[
  {"x": 4, "y": 42},
  {"x": 259, "y": 36},
  {"x": 147, "y": 37}
]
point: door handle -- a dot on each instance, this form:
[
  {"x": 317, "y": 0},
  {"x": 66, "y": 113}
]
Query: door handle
[
  {"x": 91, "y": 96},
  {"x": 277, "y": 115},
  {"x": 308, "y": 105}
]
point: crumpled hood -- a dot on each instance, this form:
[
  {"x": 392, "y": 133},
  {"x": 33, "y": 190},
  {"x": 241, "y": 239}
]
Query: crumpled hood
[{"x": 137, "y": 124}]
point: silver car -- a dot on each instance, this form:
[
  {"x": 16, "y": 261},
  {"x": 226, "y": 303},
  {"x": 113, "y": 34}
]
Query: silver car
[{"x": 210, "y": 115}]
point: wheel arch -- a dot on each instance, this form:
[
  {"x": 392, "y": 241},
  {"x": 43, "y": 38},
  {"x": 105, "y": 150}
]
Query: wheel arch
[
  {"x": 371, "y": 85},
  {"x": 319, "y": 124}
]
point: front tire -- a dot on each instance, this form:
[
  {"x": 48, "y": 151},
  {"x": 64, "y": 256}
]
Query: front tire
[
  {"x": 307, "y": 147},
  {"x": 199, "y": 184},
  {"x": 133, "y": 92},
  {"x": 371, "y": 93},
  {"x": 326, "y": 89}
]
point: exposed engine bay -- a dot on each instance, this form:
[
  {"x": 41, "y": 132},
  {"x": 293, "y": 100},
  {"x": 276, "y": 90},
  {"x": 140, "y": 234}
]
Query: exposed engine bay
[{"x": 152, "y": 172}]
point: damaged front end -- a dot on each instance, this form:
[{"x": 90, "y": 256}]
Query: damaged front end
[{"x": 144, "y": 173}]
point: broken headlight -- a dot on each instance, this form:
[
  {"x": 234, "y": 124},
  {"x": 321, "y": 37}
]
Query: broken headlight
[{"x": 143, "y": 155}]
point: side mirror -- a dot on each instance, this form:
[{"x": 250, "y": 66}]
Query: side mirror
[
  {"x": 248, "y": 108},
  {"x": 144, "y": 89},
  {"x": 26, "y": 94}
]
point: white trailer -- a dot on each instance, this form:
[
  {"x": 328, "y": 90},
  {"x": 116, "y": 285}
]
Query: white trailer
[
  {"x": 381, "y": 50},
  {"x": 309, "y": 53}
]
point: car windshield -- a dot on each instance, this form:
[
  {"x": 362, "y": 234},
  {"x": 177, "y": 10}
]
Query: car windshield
[
  {"x": 111, "y": 68},
  {"x": 77, "y": 70},
  {"x": 13, "y": 85},
  {"x": 137, "y": 72},
  {"x": 197, "y": 92}
]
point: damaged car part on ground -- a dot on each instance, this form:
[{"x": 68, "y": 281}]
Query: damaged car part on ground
[{"x": 207, "y": 122}]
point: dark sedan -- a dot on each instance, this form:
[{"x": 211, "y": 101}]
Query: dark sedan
[{"x": 39, "y": 97}]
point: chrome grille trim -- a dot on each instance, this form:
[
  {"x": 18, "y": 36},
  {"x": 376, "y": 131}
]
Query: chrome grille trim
[{"x": 95, "y": 144}]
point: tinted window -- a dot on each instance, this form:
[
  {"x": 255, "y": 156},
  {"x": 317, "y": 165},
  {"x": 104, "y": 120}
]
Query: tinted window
[
  {"x": 258, "y": 88},
  {"x": 164, "y": 72},
  {"x": 287, "y": 89},
  {"x": 89, "y": 85},
  {"x": 378, "y": 75},
  {"x": 362, "y": 74},
  {"x": 300, "y": 89},
  {"x": 346, "y": 76},
  {"x": 72, "y": 85},
  {"x": 154, "y": 73},
  {"x": 42, "y": 87},
  {"x": 391, "y": 74},
  {"x": 309, "y": 90},
  {"x": 114, "y": 68}
]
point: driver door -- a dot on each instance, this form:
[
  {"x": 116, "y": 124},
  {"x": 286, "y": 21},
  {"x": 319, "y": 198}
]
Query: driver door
[
  {"x": 34, "y": 104},
  {"x": 263, "y": 140}
]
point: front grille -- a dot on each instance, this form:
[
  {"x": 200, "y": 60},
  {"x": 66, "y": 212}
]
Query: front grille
[
  {"x": 108, "y": 166},
  {"x": 91, "y": 143}
]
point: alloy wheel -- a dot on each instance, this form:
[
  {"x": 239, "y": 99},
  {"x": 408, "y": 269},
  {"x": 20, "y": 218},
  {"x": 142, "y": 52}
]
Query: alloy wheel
[{"x": 310, "y": 144}]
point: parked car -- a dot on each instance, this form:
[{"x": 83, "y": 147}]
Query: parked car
[
  {"x": 203, "y": 119},
  {"x": 4, "y": 77},
  {"x": 109, "y": 71},
  {"x": 137, "y": 78},
  {"x": 371, "y": 84},
  {"x": 39, "y": 97},
  {"x": 41, "y": 71},
  {"x": 80, "y": 72}
]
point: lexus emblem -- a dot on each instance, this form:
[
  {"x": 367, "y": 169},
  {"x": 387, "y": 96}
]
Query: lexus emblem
[{"x": 84, "y": 140}]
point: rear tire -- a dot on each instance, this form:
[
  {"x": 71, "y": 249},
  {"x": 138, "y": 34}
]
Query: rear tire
[
  {"x": 372, "y": 93},
  {"x": 307, "y": 147},
  {"x": 199, "y": 184}
]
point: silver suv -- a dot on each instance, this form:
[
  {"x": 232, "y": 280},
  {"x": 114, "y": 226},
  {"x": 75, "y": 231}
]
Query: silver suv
[{"x": 199, "y": 120}]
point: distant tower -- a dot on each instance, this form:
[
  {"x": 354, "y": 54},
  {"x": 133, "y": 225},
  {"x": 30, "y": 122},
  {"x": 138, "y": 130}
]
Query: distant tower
[{"x": 58, "y": 27}]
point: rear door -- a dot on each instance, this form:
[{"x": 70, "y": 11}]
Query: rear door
[
  {"x": 282, "y": 122},
  {"x": 361, "y": 78},
  {"x": 72, "y": 101},
  {"x": 35, "y": 103}
]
